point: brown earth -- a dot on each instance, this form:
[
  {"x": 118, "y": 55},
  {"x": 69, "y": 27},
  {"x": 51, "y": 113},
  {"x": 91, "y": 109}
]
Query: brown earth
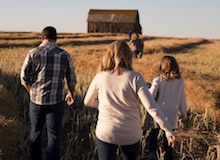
[{"x": 9, "y": 124}]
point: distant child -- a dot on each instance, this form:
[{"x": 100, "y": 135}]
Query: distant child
[
  {"x": 137, "y": 45},
  {"x": 168, "y": 90}
]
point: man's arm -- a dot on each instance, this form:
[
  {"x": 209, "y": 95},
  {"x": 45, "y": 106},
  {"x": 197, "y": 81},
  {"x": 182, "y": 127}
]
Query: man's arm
[
  {"x": 71, "y": 81},
  {"x": 26, "y": 71}
]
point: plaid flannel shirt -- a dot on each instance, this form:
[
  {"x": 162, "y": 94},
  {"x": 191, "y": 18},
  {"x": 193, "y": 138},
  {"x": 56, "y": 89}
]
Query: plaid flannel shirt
[{"x": 45, "y": 69}]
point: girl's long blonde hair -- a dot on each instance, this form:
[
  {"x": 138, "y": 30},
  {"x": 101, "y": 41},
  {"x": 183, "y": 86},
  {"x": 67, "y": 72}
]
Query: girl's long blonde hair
[
  {"x": 117, "y": 56},
  {"x": 169, "y": 68}
]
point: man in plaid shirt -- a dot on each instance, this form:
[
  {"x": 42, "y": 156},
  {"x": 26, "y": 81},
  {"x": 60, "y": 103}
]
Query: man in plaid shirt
[{"x": 43, "y": 74}]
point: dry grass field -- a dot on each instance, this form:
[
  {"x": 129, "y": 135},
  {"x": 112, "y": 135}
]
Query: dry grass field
[{"x": 198, "y": 137}]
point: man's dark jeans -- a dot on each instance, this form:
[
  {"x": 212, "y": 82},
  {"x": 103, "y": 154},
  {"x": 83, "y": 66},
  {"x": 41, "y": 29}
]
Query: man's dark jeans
[
  {"x": 107, "y": 151},
  {"x": 52, "y": 115}
]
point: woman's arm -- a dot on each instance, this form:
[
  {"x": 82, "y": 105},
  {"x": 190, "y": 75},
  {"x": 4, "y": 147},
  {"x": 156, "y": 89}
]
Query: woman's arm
[
  {"x": 91, "y": 97},
  {"x": 154, "y": 110}
]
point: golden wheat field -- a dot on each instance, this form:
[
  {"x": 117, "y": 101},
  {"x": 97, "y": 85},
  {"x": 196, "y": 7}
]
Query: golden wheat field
[{"x": 198, "y": 137}]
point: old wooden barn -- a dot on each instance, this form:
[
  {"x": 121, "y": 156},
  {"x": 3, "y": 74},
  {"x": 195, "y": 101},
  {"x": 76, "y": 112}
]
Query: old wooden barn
[{"x": 113, "y": 21}]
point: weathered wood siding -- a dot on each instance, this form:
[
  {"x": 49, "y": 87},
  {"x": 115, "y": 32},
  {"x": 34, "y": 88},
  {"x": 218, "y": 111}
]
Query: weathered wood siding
[{"x": 113, "y": 21}]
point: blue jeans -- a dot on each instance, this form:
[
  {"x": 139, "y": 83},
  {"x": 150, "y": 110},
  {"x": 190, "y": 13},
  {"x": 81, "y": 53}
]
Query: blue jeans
[
  {"x": 153, "y": 141},
  {"x": 107, "y": 151},
  {"x": 52, "y": 116}
]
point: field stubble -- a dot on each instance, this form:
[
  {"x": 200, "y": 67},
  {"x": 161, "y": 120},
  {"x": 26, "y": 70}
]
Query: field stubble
[{"x": 199, "y": 59}]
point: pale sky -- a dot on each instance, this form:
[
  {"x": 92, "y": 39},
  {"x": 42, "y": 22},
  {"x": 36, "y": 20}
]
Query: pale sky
[{"x": 172, "y": 18}]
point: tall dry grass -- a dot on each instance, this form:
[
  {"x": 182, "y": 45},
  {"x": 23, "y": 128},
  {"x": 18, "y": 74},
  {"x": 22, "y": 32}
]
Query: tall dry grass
[{"x": 197, "y": 137}]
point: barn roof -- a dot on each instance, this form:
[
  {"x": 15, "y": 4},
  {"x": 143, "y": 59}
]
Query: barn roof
[{"x": 113, "y": 16}]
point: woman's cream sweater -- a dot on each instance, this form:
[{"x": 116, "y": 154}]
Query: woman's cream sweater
[{"x": 118, "y": 100}]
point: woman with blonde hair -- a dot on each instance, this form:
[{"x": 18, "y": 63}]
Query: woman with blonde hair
[
  {"x": 116, "y": 91},
  {"x": 168, "y": 89}
]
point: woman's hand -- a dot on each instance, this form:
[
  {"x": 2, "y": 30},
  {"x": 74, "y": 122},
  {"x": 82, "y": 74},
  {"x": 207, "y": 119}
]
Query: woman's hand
[{"x": 171, "y": 140}]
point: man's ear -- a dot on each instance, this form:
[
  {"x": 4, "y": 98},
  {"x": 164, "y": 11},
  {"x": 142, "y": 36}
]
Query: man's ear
[{"x": 42, "y": 37}]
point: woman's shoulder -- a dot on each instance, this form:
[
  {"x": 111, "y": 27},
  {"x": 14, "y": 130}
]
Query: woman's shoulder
[
  {"x": 136, "y": 76},
  {"x": 101, "y": 74}
]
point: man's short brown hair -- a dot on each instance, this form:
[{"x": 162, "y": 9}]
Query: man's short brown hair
[{"x": 49, "y": 33}]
